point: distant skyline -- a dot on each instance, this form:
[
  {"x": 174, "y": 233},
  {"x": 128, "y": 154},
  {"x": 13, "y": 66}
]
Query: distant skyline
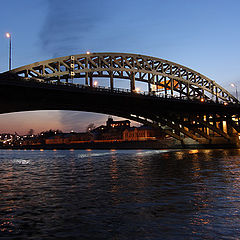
[{"x": 202, "y": 35}]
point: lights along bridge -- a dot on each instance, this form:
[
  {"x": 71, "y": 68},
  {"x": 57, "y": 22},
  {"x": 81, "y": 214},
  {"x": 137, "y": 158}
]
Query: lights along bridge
[{"x": 181, "y": 102}]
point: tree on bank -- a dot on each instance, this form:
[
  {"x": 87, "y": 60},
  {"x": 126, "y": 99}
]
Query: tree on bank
[{"x": 30, "y": 132}]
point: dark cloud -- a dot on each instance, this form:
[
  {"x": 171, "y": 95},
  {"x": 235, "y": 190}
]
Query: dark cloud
[
  {"x": 73, "y": 27},
  {"x": 66, "y": 30},
  {"x": 68, "y": 24}
]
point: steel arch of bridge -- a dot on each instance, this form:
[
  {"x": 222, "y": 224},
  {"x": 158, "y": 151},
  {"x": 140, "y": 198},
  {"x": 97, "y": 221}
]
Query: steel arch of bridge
[
  {"x": 169, "y": 78},
  {"x": 160, "y": 76}
]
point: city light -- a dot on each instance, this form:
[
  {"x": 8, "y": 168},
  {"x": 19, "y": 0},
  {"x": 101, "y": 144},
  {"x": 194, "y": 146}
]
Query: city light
[
  {"x": 235, "y": 86},
  {"x": 202, "y": 99},
  {"x": 8, "y": 35},
  {"x": 137, "y": 90}
]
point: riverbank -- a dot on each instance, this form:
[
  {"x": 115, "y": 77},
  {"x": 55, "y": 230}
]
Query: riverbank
[{"x": 150, "y": 144}]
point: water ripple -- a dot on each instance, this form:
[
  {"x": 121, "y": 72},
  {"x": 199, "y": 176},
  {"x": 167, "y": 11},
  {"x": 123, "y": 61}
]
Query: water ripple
[{"x": 118, "y": 194}]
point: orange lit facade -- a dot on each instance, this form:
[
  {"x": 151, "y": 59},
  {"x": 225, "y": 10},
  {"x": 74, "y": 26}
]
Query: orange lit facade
[
  {"x": 141, "y": 134},
  {"x": 69, "y": 138},
  {"x": 32, "y": 142},
  {"x": 55, "y": 140}
]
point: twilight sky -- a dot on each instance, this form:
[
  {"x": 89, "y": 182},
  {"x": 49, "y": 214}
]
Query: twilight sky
[{"x": 202, "y": 35}]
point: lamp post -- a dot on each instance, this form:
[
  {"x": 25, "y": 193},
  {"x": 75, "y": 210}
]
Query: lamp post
[
  {"x": 8, "y": 35},
  {"x": 235, "y": 86}
]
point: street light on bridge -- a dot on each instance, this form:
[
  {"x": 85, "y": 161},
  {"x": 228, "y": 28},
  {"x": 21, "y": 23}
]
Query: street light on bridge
[
  {"x": 137, "y": 90},
  {"x": 8, "y": 35},
  {"x": 235, "y": 86},
  {"x": 95, "y": 83}
]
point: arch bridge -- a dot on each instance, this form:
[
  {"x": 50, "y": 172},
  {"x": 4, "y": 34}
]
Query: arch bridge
[{"x": 180, "y": 101}]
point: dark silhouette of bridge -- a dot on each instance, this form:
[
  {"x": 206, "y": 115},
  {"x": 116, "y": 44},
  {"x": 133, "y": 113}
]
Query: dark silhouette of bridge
[{"x": 181, "y": 102}]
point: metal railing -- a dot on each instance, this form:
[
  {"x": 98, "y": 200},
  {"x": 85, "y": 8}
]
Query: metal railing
[{"x": 125, "y": 90}]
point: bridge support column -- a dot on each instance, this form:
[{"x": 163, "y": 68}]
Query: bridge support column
[
  {"x": 229, "y": 129},
  {"x": 86, "y": 78},
  {"x": 172, "y": 83},
  {"x": 229, "y": 126},
  {"x": 132, "y": 83},
  {"x": 165, "y": 88},
  {"x": 111, "y": 81},
  {"x": 188, "y": 92},
  {"x": 149, "y": 87},
  {"x": 150, "y": 81},
  {"x": 91, "y": 80},
  {"x": 216, "y": 94}
]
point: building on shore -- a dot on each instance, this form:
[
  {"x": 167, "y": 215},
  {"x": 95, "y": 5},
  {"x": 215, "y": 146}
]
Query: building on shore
[
  {"x": 112, "y": 131},
  {"x": 69, "y": 138},
  {"x": 143, "y": 133},
  {"x": 117, "y": 124}
]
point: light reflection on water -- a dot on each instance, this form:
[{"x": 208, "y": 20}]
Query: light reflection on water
[{"x": 117, "y": 194}]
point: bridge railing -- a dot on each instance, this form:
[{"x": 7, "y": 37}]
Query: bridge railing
[{"x": 123, "y": 90}]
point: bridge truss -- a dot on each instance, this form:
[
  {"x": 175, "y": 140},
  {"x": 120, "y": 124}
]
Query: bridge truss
[{"x": 161, "y": 78}]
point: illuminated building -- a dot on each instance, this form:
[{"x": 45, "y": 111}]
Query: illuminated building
[
  {"x": 141, "y": 134},
  {"x": 117, "y": 124}
]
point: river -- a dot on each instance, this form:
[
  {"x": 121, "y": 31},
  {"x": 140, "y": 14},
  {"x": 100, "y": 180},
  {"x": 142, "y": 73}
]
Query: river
[{"x": 118, "y": 194}]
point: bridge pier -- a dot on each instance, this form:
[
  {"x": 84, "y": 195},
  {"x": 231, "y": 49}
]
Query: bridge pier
[
  {"x": 86, "y": 78},
  {"x": 90, "y": 80},
  {"x": 111, "y": 80},
  {"x": 172, "y": 83},
  {"x": 132, "y": 82},
  {"x": 149, "y": 87},
  {"x": 229, "y": 129}
]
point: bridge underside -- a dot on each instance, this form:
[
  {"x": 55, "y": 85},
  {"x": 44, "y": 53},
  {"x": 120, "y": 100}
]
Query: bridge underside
[{"x": 205, "y": 123}]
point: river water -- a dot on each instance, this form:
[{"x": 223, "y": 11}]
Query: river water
[{"x": 142, "y": 194}]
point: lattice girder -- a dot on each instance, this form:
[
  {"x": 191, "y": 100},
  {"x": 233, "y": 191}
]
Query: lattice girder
[{"x": 172, "y": 78}]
